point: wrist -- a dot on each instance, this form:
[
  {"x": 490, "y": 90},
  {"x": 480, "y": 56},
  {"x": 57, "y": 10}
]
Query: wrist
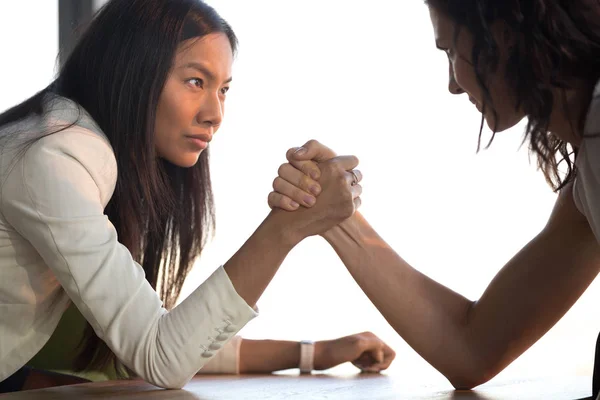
[
  {"x": 283, "y": 231},
  {"x": 346, "y": 228},
  {"x": 320, "y": 355},
  {"x": 332, "y": 233},
  {"x": 286, "y": 228}
]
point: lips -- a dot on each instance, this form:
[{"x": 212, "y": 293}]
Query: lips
[{"x": 203, "y": 137}]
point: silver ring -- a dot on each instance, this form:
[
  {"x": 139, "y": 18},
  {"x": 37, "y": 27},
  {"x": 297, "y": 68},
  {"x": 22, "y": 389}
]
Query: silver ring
[{"x": 354, "y": 178}]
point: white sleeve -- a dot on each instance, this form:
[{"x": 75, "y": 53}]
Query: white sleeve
[
  {"x": 227, "y": 360},
  {"x": 55, "y": 197}
]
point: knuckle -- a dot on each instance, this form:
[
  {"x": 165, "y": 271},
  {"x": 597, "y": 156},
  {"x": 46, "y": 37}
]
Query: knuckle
[
  {"x": 276, "y": 183},
  {"x": 307, "y": 167},
  {"x": 328, "y": 168},
  {"x": 303, "y": 178},
  {"x": 282, "y": 168},
  {"x": 302, "y": 182},
  {"x": 340, "y": 179}
]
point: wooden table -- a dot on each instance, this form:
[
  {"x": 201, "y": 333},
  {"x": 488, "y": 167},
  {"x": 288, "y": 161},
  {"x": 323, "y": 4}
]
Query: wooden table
[{"x": 267, "y": 387}]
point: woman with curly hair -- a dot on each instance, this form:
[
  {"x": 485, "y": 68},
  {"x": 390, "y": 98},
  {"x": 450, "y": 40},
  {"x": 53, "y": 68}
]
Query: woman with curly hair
[{"x": 515, "y": 59}]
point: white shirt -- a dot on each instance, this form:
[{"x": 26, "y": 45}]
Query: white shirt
[
  {"x": 586, "y": 190},
  {"x": 57, "y": 246}
]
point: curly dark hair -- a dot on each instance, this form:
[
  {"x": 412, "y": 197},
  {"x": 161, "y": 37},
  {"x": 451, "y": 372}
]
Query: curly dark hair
[{"x": 557, "y": 43}]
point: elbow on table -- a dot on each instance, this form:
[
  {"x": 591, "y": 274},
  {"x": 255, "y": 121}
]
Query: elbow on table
[
  {"x": 466, "y": 382},
  {"x": 473, "y": 377},
  {"x": 171, "y": 382},
  {"x": 167, "y": 376}
]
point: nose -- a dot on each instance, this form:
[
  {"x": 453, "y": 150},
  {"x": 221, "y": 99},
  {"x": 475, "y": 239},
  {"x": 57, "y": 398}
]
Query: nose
[
  {"x": 211, "y": 111},
  {"x": 453, "y": 87}
]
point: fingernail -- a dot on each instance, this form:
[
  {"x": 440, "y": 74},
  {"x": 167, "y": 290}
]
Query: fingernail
[
  {"x": 314, "y": 175},
  {"x": 309, "y": 200},
  {"x": 300, "y": 151},
  {"x": 294, "y": 204},
  {"x": 314, "y": 189}
]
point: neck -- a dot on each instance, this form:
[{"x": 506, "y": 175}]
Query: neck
[{"x": 570, "y": 110}]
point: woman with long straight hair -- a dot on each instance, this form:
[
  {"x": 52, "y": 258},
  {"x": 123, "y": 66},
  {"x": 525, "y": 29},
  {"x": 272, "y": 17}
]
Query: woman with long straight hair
[{"x": 105, "y": 203}]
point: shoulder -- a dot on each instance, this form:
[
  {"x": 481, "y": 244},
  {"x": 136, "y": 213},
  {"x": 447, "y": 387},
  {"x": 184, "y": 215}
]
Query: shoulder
[{"x": 67, "y": 156}]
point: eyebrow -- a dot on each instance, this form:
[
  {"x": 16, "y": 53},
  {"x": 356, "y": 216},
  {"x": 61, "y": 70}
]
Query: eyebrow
[{"x": 203, "y": 70}]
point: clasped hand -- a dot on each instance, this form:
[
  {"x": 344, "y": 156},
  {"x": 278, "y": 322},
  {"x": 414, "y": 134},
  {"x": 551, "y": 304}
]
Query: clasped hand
[{"x": 310, "y": 171}]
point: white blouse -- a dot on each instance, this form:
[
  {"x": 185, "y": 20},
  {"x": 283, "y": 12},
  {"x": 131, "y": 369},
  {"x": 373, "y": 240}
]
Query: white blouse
[
  {"x": 586, "y": 190},
  {"x": 58, "y": 246}
]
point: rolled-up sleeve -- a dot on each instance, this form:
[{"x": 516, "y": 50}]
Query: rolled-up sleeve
[{"x": 55, "y": 196}]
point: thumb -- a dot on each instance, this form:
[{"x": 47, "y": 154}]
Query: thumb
[{"x": 311, "y": 150}]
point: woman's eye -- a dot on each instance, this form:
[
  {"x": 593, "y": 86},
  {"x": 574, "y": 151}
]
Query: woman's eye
[
  {"x": 225, "y": 90},
  {"x": 197, "y": 82}
]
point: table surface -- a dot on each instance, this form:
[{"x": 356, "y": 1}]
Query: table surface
[{"x": 266, "y": 387}]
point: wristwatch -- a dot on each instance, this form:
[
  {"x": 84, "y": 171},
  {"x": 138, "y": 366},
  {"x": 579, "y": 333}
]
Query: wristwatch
[{"x": 307, "y": 355}]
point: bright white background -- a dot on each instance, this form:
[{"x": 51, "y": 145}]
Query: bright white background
[{"x": 365, "y": 79}]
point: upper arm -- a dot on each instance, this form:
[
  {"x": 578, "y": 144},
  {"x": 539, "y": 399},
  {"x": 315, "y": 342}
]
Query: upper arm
[
  {"x": 536, "y": 287},
  {"x": 55, "y": 197}
]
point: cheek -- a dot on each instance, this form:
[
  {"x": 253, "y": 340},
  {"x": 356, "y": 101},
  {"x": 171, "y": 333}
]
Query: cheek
[
  {"x": 164, "y": 113},
  {"x": 465, "y": 78},
  {"x": 175, "y": 117}
]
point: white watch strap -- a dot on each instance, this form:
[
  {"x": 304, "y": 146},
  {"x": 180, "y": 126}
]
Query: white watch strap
[{"x": 307, "y": 355}]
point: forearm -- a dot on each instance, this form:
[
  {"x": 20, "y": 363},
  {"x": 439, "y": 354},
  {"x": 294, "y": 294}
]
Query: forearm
[
  {"x": 256, "y": 262},
  {"x": 471, "y": 342},
  {"x": 265, "y": 356},
  {"x": 429, "y": 316}
]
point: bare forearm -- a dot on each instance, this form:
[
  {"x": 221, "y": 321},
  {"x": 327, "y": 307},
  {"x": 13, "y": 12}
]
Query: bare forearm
[
  {"x": 265, "y": 356},
  {"x": 256, "y": 262},
  {"x": 429, "y": 316},
  {"x": 471, "y": 342}
]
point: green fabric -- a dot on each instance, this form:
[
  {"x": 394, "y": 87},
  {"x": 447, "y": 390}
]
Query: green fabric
[{"x": 59, "y": 353}]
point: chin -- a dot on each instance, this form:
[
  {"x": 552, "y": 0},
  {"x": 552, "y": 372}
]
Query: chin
[
  {"x": 185, "y": 162},
  {"x": 503, "y": 124}
]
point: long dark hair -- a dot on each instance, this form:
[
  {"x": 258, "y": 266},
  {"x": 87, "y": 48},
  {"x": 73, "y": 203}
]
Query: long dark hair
[
  {"x": 162, "y": 213},
  {"x": 557, "y": 42}
]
